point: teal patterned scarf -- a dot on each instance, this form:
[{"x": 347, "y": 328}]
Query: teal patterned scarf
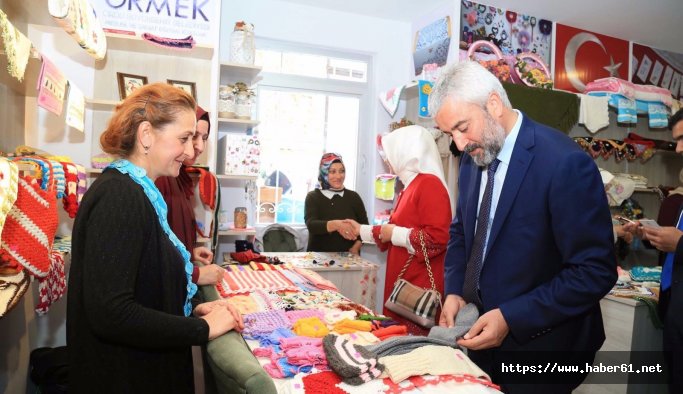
[{"x": 140, "y": 177}]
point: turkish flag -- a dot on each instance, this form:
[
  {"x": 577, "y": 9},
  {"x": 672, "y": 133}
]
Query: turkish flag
[{"x": 582, "y": 56}]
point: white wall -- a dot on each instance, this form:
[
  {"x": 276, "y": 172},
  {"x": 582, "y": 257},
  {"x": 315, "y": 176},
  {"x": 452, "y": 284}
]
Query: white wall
[{"x": 386, "y": 41}]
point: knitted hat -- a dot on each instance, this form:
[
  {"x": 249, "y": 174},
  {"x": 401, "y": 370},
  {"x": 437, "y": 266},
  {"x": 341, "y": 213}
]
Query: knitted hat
[
  {"x": 353, "y": 363},
  {"x": 404, "y": 344},
  {"x": 464, "y": 320}
]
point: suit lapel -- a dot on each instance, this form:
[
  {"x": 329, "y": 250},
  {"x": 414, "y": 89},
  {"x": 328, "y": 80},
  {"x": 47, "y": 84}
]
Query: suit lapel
[{"x": 519, "y": 164}]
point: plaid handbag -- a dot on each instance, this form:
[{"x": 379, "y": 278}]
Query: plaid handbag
[
  {"x": 412, "y": 302},
  {"x": 31, "y": 224}
]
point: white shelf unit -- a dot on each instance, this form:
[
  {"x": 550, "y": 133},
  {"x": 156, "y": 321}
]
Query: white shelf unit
[
  {"x": 245, "y": 122},
  {"x": 233, "y": 186}
]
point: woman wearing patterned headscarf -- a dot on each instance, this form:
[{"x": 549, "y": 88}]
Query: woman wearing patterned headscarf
[{"x": 328, "y": 206}]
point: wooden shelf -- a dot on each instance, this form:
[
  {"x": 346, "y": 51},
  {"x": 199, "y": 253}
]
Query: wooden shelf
[
  {"x": 134, "y": 43},
  {"x": 248, "y": 232},
  {"x": 27, "y": 87},
  {"x": 249, "y": 122},
  {"x": 233, "y": 72},
  {"x": 93, "y": 171},
  {"x": 101, "y": 105},
  {"x": 238, "y": 177}
]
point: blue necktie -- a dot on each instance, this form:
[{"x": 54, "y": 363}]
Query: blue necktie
[
  {"x": 668, "y": 268},
  {"x": 474, "y": 264}
]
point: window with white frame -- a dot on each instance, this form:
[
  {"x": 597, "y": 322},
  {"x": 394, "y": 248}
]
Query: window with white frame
[{"x": 310, "y": 102}]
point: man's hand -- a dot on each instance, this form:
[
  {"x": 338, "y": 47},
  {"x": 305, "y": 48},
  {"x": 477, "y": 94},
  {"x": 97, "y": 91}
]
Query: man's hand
[
  {"x": 663, "y": 238},
  {"x": 488, "y": 331},
  {"x": 202, "y": 254},
  {"x": 210, "y": 274},
  {"x": 450, "y": 309}
]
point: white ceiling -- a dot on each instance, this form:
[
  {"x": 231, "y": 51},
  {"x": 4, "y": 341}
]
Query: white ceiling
[{"x": 656, "y": 23}]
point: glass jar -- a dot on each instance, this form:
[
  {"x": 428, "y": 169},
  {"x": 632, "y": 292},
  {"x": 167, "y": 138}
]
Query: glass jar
[
  {"x": 242, "y": 48},
  {"x": 243, "y": 105},
  {"x": 226, "y": 102},
  {"x": 241, "y": 217}
]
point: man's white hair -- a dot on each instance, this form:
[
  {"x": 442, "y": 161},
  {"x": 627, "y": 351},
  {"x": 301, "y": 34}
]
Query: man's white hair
[{"x": 467, "y": 81}]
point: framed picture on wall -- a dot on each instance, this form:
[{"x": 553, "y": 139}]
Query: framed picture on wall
[
  {"x": 189, "y": 87},
  {"x": 128, "y": 83}
]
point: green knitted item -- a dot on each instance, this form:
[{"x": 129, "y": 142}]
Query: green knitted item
[{"x": 559, "y": 110}]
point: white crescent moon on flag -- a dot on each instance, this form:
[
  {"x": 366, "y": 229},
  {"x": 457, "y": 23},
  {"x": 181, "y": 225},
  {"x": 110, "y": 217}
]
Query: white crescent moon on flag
[{"x": 570, "y": 57}]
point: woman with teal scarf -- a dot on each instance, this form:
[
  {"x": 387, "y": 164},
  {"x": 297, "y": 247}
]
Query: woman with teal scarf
[{"x": 130, "y": 327}]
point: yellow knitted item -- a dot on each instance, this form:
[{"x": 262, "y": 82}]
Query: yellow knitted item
[
  {"x": 432, "y": 360},
  {"x": 310, "y": 327},
  {"x": 347, "y": 326}
]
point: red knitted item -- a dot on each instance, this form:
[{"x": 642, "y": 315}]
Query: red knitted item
[
  {"x": 70, "y": 199},
  {"x": 391, "y": 331},
  {"x": 53, "y": 287},
  {"x": 322, "y": 382},
  {"x": 207, "y": 186},
  {"x": 30, "y": 227}
]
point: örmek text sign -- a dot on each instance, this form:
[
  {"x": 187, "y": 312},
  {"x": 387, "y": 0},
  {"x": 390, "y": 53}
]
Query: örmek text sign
[{"x": 165, "y": 18}]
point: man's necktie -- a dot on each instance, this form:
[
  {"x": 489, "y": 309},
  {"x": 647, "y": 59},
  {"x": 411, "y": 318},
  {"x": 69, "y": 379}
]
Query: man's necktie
[
  {"x": 668, "y": 268},
  {"x": 474, "y": 264}
]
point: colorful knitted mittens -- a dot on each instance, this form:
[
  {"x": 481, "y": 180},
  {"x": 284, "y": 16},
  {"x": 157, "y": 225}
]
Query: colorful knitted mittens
[{"x": 353, "y": 363}]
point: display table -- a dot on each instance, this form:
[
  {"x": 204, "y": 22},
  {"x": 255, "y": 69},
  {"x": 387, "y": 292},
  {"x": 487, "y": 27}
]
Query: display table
[
  {"x": 355, "y": 277},
  {"x": 628, "y": 328}
]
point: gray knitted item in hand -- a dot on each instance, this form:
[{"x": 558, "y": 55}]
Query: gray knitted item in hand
[
  {"x": 404, "y": 344},
  {"x": 464, "y": 320},
  {"x": 353, "y": 363}
]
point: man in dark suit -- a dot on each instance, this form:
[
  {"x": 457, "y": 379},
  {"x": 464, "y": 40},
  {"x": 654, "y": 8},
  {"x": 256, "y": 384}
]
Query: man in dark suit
[
  {"x": 533, "y": 249},
  {"x": 669, "y": 239}
]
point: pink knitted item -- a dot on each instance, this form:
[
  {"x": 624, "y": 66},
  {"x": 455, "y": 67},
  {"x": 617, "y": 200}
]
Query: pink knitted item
[
  {"x": 293, "y": 316},
  {"x": 306, "y": 355},
  {"x": 298, "y": 341},
  {"x": 315, "y": 278}
]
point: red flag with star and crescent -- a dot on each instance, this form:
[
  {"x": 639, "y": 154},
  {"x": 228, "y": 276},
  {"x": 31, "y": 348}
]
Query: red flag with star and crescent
[{"x": 582, "y": 56}]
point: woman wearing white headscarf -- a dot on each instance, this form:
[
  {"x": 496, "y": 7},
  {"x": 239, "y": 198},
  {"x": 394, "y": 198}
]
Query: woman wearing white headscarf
[{"x": 422, "y": 207}]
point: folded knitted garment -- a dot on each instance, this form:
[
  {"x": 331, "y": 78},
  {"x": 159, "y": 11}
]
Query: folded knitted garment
[
  {"x": 306, "y": 355},
  {"x": 264, "y": 322},
  {"x": 299, "y": 341},
  {"x": 293, "y": 316},
  {"x": 464, "y": 320},
  {"x": 322, "y": 382},
  {"x": 431, "y": 359},
  {"x": 333, "y": 316},
  {"x": 352, "y": 362},
  {"x": 347, "y": 326},
  {"x": 405, "y": 344},
  {"x": 310, "y": 327}
]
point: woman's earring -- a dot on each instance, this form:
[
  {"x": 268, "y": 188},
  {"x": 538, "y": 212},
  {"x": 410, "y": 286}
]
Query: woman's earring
[{"x": 146, "y": 149}]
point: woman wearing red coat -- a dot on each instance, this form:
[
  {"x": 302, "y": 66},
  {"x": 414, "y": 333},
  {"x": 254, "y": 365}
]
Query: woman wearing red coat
[{"x": 422, "y": 207}]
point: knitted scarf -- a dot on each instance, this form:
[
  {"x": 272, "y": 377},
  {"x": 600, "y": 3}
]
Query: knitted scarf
[{"x": 139, "y": 176}]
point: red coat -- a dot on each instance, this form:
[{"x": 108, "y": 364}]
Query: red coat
[{"x": 423, "y": 205}]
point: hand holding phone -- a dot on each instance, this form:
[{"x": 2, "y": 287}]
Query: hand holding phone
[
  {"x": 649, "y": 223},
  {"x": 624, "y": 220}
]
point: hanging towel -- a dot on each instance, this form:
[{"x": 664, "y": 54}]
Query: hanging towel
[
  {"x": 553, "y": 108},
  {"x": 593, "y": 112}
]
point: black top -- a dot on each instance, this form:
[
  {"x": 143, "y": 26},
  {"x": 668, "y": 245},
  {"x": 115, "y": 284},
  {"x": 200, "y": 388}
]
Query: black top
[
  {"x": 126, "y": 331},
  {"x": 320, "y": 209}
]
